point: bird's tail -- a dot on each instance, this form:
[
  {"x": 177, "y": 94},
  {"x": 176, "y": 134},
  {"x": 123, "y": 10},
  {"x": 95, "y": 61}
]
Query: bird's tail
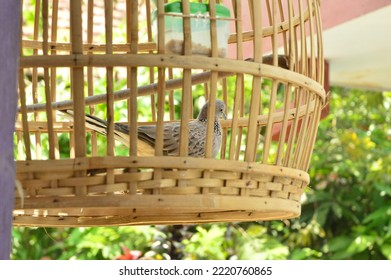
[{"x": 121, "y": 132}]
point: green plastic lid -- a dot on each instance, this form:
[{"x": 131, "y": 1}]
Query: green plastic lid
[{"x": 176, "y": 7}]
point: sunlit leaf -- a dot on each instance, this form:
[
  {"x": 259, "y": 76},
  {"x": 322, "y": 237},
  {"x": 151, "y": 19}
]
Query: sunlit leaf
[
  {"x": 379, "y": 214},
  {"x": 339, "y": 243},
  {"x": 322, "y": 212},
  {"x": 361, "y": 243},
  {"x": 386, "y": 250},
  {"x": 305, "y": 254}
]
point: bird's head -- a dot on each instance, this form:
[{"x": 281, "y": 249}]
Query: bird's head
[{"x": 219, "y": 111}]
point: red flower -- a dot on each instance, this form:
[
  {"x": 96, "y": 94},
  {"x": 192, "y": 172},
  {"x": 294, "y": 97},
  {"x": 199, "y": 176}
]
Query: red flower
[{"x": 129, "y": 254}]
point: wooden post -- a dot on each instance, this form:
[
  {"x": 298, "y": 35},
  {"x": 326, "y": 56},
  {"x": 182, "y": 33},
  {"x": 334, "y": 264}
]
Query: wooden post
[{"x": 9, "y": 53}]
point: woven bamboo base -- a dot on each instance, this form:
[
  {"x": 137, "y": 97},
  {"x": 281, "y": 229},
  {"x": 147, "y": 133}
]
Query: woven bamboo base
[{"x": 160, "y": 190}]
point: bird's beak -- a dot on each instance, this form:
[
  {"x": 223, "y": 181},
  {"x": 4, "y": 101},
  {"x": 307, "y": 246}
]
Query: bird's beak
[{"x": 224, "y": 116}]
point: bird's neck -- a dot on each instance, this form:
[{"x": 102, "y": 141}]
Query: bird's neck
[{"x": 216, "y": 125}]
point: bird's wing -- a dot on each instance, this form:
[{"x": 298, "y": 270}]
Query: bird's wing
[
  {"x": 197, "y": 139},
  {"x": 147, "y": 133},
  {"x": 170, "y": 137}
]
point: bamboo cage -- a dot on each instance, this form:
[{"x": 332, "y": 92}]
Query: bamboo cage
[{"x": 112, "y": 59}]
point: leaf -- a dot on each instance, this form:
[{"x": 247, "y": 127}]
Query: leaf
[
  {"x": 351, "y": 216},
  {"x": 361, "y": 243},
  {"x": 263, "y": 249},
  {"x": 256, "y": 230},
  {"x": 337, "y": 209},
  {"x": 322, "y": 212},
  {"x": 380, "y": 214},
  {"x": 339, "y": 243},
  {"x": 319, "y": 196},
  {"x": 305, "y": 254},
  {"x": 382, "y": 187},
  {"x": 386, "y": 250},
  {"x": 207, "y": 244}
]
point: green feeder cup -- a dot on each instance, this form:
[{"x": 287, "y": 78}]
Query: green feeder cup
[{"x": 200, "y": 28}]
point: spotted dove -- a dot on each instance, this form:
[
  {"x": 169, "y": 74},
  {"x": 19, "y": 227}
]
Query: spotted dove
[{"x": 171, "y": 132}]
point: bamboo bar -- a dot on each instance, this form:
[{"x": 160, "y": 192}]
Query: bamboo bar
[
  {"x": 78, "y": 78},
  {"x": 90, "y": 72}
]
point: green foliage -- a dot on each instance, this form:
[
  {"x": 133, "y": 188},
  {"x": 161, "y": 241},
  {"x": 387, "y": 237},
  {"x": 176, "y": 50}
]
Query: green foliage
[
  {"x": 351, "y": 180},
  {"x": 80, "y": 243},
  {"x": 207, "y": 243}
]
